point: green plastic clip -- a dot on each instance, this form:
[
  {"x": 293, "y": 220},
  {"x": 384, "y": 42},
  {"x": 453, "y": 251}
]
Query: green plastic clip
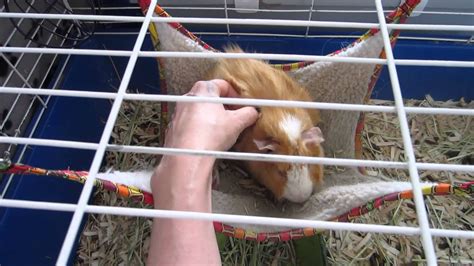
[{"x": 5, "y": 164}]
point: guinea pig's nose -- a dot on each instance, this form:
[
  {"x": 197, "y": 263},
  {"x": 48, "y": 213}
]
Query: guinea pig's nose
[
  {"x": 299, "y": 198},
  {"x": 298, "y": 194},
  {"x": 299, "y": 186}
]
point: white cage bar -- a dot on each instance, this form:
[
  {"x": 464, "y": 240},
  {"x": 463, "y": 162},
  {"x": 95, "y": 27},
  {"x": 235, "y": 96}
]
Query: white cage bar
[{"x": 82, "y": 207}]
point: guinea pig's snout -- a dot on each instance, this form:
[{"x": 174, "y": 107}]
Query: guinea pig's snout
[{"x": 299, "y": 186}]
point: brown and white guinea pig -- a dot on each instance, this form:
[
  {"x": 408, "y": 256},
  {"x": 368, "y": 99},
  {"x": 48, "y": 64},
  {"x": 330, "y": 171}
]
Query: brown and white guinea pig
[{"x": 288, "y": 131}]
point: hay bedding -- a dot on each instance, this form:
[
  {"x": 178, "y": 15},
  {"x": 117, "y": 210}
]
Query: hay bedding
[{"x": 123, "y": 240}]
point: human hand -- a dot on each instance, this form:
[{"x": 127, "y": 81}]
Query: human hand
[{"x": 208, "y": 126}]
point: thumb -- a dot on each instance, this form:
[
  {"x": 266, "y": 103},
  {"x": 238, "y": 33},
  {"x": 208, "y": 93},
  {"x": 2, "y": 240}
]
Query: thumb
[{"x": 244, "y": 117}]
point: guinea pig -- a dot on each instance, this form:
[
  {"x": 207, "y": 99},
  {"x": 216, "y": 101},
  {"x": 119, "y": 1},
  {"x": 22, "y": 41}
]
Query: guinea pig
[{"x": 289, "y": 131}]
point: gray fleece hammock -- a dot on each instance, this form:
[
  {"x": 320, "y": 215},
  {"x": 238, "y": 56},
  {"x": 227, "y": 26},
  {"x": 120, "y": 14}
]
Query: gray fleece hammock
[{"x": 327, "y": 82}]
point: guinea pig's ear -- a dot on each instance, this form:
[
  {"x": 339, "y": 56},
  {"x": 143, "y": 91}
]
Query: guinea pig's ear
[
  {"x": 312, "y": 136},
  {"x": 240, "y": 87},
  {"x": 267, "y": 146}
]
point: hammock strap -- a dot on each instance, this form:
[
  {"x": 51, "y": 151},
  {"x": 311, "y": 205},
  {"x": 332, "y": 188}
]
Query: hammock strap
[{"x": 462, "y": 189}]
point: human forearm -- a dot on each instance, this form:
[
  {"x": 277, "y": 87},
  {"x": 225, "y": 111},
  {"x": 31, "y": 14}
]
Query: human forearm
[
  {"x": 172, "y": 238},
  {"x": 183, "y": 182}
]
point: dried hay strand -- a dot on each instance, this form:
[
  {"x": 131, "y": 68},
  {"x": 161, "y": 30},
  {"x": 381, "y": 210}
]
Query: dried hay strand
[
  {"x": 246, "y": 252},
  {"x": 122, "y": 240},
  {"x": 108, "y": 239},
  {"x": 436, "y": 138}
]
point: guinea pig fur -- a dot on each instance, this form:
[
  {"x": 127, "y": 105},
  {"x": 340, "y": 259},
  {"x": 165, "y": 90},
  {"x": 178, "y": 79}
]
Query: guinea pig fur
[{"x": 289, "y": 131}]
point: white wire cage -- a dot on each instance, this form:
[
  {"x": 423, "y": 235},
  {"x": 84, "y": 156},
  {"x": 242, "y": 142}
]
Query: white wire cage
[{"x": 225, "y": 22}]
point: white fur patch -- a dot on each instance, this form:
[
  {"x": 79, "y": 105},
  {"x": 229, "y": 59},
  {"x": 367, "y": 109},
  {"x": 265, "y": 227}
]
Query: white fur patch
[
  {"x": 299, "y": 186},
  {"x": 140, "y": 179},
  {"x": 292, "y": 126}
]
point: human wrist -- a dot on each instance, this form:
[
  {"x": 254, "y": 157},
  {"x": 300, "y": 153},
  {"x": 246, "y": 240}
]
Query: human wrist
[
  {"x": 178, "y": 163},
  {"x": 192, "y": 140}
]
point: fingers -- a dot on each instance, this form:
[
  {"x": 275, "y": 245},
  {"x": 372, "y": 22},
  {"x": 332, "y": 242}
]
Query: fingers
[
  {"x": 224, "y": 88},
  {"x": 244, "y": 117},
  {"x": 213, "y": 88}
]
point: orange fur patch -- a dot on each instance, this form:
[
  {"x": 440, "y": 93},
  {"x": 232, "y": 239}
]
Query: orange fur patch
[{"x": 256, "y": 79}]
